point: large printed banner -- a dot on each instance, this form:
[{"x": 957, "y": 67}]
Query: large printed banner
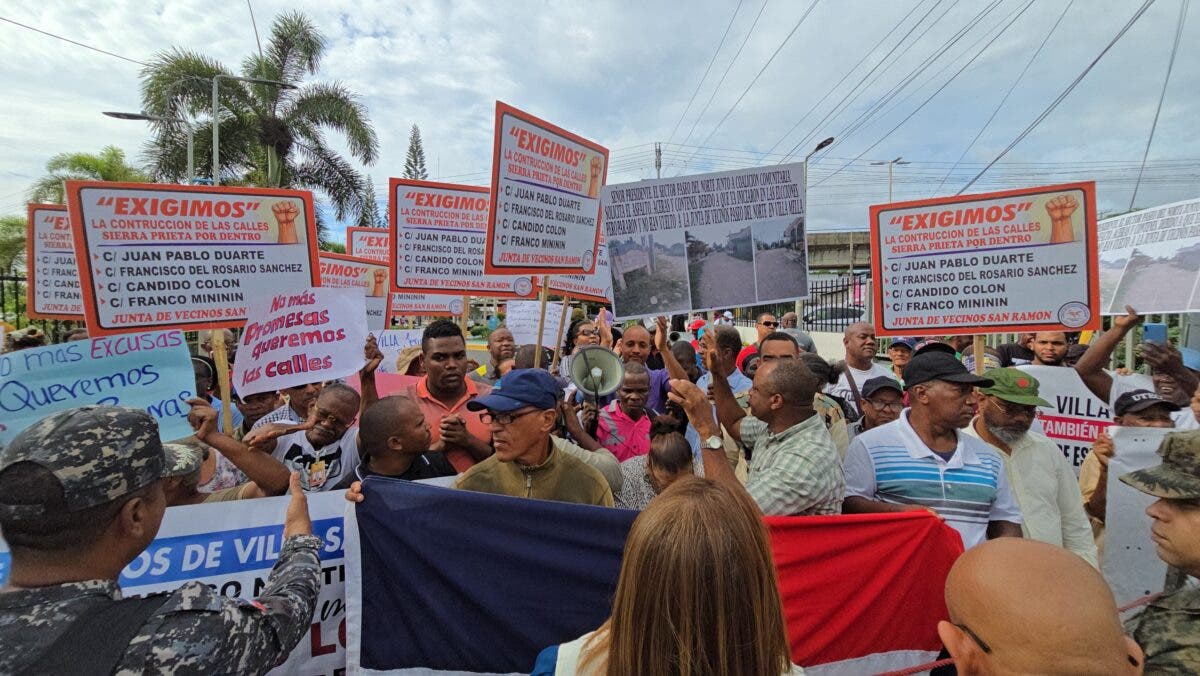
[
  {"x": 52, "y": 291},
  {"x": 371, "y": 243},
  {"x": 231, "y": 546},
  {"x": 186, "y": 257},
  {"x": 1131, "y": 564},
  {"x": 151, "y": 371},
  {"x": 440, "y": 234},
  {"x": 1075, "y": 416},
  {"x": 707, "y": 242},
  {"x": 545, "y": 214},
  {"x": 1150, "y": 259},
  {"x": 347, "y": 272},
  {"x": 302, "y": 336},
  {"x": 595, "y": 287},
  {"x": 1018, "y": 260},
  {"x": 423, "y": 305},
  {"x": 838, "y": 578},
  {"x": 521, "y": 317}
]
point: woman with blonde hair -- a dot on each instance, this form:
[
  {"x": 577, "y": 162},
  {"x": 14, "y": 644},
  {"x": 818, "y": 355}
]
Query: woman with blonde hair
[{"x": 697, "y": 595}]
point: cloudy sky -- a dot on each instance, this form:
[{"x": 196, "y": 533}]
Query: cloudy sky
[{"x": 628, "y": 74}]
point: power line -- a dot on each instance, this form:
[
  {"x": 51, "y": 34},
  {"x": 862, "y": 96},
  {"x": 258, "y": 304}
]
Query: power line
[
  {"x": 78, "y": 44},
  {"x": 1066, "y": 92},
  {"x": 706, "y": 70},
  {"x": 1183, "y": 8}
]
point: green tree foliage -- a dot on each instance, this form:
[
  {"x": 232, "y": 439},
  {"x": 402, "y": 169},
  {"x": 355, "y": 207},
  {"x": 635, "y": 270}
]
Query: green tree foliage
[
  {"x": 414, "y": 163},
  {"x": 107, "y": 165},
  {"x": 12, "y": 244}
]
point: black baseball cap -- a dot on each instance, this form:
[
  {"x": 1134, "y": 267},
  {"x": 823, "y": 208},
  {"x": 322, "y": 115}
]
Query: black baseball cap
[
  {"x": 1140, "y": 400},
  {"x": 938, "y": 365},
  {"x": 880, "y": 383}
]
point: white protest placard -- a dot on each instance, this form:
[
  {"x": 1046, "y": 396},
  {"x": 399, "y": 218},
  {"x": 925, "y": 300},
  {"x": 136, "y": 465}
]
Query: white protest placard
[
  {"x": 298, "y": 337},
  {"x": 1075, "y": 416},
  {"x": 521, "y": 317},
  {"x": 394, "y": 341},
  {"x": 545, "y": 214},
  {"x": 1130, "y": 563},
  {"x": 231, "y": 546},
  {"x": 440, "y": 234},
  {"x": 1003, "y": 262},
  {"x": 1150, "y": 259},
  {"x": 596, "y": 287},
  {"x": 423, "y": 305},
  {"x": 339, "y": 271},
  {"x": 151, "y": 371},
  {"x": 186, "y": 257},
  {"x": 52, "y": 290},
  {"x": 707, "y": 242},
  {"x": 371, "y": 243}
]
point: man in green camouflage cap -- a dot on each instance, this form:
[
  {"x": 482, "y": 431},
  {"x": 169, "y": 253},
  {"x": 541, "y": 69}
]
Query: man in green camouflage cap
[
  {"x": 1041, "y": 478},
  {"x": 81, "y": 496},
  {"x": 1169, "y": 628}
]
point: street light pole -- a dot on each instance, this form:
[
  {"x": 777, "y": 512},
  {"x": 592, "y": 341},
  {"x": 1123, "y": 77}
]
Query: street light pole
[
  {"x": 191, "y": 135},
  {"x": 820, "y": 146},
  {"x": 890, "y": 164},
  {"x": 216, "y": 127}
]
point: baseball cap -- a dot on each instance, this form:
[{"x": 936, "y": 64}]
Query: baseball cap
[
  {"x": 696, "y": 324},
  {"x": 877, "y": 383},
  {"x": 1014, "y": 385},
  {"x": 727, "y": 314},
  {"x": 97, "y": 453},
  {"x": 1140, "y": 400},
  {"x": 1178, "y": 476},
  {"x": 935, "y": 345},
  {"x": 903, "y": 342},
  {"x": 518, "y": 389},
  {"x": 181, "y": 459},
  {"x": 938, "y": 365}
]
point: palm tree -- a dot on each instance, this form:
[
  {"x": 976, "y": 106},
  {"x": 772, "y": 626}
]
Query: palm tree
[
  {"x": 270, "y": 136},
  {"x": 12, "y": 244},
  {"x": 108, "y": 165}
]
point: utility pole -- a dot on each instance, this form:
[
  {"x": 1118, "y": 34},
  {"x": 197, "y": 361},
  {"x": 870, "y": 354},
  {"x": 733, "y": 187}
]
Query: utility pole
[
  {"x": 890, "y": 164},
  {"x": 657, "y": 160}
]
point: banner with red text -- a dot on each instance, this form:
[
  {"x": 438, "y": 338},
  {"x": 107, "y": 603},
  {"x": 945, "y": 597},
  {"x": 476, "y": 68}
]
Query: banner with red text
[
  {"x": 371, "y": 243},
  {"x": 340, "y": 271},
  {"x": 52, "y": 290},
  {"x": 595, "y": 287},
  {"x": 1075, "y": 416},
  {"x": 186, "y": 257},
  {"x": 423, "y": 305},
  {"x": 440, "y": 234},
  {"x": 1018, "y": 260},
  {"x": 300, "y": 336},
  {"x": 545, "y": 214}
]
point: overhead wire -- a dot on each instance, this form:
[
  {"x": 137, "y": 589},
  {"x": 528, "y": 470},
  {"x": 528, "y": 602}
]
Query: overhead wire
[
  {"x": 706, "y": 71},
  {"x": 74, "y": 42},
  {"x": 1183, "y": 8}
]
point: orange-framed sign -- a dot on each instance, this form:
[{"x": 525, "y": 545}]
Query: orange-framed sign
[
  {"x": 438, "y": 233},
  {"x": 545, "y": 214},
  {"x": 402, "y": 304},
  {"x": 52, "y": 288},
  {"x": 372, "y": 243},
  {"x": 595, "y": 287},
  {"x": 1001, "y": 262},
  {"x": 186, "y": 257},
  {"x": 342, "y": 271}
]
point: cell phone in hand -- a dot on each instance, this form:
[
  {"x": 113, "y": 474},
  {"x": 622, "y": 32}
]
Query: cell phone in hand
[{"x": 1154, "y": 333}]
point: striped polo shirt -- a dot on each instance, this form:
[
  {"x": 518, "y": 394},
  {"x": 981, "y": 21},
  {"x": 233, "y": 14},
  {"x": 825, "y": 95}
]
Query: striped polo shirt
[{"x": 890, "y": 463}]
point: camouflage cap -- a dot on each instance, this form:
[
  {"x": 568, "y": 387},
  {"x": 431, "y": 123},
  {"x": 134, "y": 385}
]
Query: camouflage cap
[
  {"x": 1014, "y": 385},
  {"x": 181, "y": 459},
  {"x": 98, "y": 454},
  {"x": 1179, "y": 474}
]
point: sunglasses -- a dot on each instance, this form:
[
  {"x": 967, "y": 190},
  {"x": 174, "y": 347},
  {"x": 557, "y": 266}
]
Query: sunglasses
[{"x": 770, "y": 325}]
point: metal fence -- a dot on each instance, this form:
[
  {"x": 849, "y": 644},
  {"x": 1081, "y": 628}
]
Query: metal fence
[
  {"x": 13, "y": 309},
  {"x": 832, "y": 305}
]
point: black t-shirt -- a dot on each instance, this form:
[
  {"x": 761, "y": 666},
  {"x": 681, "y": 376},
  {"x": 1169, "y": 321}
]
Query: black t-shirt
[
  {"x": 424, "y": 466},
  {"x": 1013, "y": 354}
]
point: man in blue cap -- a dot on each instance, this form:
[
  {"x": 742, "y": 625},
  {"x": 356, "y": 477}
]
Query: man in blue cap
[{"x": 522, "y": 410}]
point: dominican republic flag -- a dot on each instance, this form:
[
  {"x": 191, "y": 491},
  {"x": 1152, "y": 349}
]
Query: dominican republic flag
[{"x": 448, "y": 581}]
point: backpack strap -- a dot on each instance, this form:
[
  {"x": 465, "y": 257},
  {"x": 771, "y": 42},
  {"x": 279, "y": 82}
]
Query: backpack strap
[
  {"x": 97, "y": 639},
  {"x": 853, "y": 389}
]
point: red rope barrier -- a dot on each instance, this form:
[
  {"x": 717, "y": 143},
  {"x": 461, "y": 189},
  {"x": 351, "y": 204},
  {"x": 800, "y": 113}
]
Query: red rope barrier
[
  {"x": 1140, "y": 602},
  {"x": 919, "y": 668}
]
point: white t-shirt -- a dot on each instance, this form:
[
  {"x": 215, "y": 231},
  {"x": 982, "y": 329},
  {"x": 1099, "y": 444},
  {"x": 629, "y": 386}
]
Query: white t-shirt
[
  {"x": 1184, "y": 418},
  {"x": 842, "y": 388},
  {"x": 321, "y": 469}
]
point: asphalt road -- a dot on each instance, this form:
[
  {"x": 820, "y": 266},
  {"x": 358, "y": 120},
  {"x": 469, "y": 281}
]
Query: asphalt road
[
  {"x": 724, "y": 281},
  {"x": 779, "y": 274}
]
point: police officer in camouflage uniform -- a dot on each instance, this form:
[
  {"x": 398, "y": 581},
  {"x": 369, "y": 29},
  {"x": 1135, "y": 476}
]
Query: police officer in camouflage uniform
[
  {"x": 1169, "y": 628},
  {"x": 80, "y": 498}
]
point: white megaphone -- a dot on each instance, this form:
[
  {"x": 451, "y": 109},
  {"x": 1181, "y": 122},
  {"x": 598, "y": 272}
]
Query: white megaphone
[{"x": 596, "y": 371}]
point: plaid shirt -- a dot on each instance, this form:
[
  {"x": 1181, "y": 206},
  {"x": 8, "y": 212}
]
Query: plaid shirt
[{"x": 795, "y": 472}]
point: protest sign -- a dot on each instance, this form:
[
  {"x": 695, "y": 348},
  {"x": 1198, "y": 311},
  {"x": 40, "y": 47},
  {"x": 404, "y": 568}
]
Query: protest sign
[
  {"x": 521, "y": 317},
  {"x": 545, "y": 214},
  {"x": 371, "y": 243},
  {"x": 340, "y": 271},
  {"x": 52, "y": 290},
  {"x": 1018, "y": 260},
  {"x": 1075, "y": 416},
  {"x": 1130, "y": 564},
  {"x": 186, "y": 257},
  {"x": 151, "y": 371},
  {"x": 231, "y": 547},
  {"x": 1150, "y": 259},
  {"x": 423, "y": 305},
  {"x": 440, "y": 234},
  {"x": 394, "y": 341},
  {"x": 299, "y": 337},
  {"x": 595, "y": 287},
  {"x": 707, "y": 242}
]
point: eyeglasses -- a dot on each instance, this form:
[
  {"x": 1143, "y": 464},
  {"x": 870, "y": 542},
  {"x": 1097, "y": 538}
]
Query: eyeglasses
[
  {"x": 987, "y": 649},
  {"x": 489, "y": 417},
  {"x": 894, "y": 407},
  {"x": 321, "y": 414},
  {"x": 1015, "y": 409},
  {"x": 770, "y": 325}
]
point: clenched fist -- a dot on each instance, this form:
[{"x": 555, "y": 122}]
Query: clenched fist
[
  {"x": 1060, "y": 209},
  {"x": 286, "y": 212},
  {"x": 377, "y": 290}
]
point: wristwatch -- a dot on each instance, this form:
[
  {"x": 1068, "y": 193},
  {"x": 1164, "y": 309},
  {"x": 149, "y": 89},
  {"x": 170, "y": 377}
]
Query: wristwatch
[{"x": 714, "y": 443}]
